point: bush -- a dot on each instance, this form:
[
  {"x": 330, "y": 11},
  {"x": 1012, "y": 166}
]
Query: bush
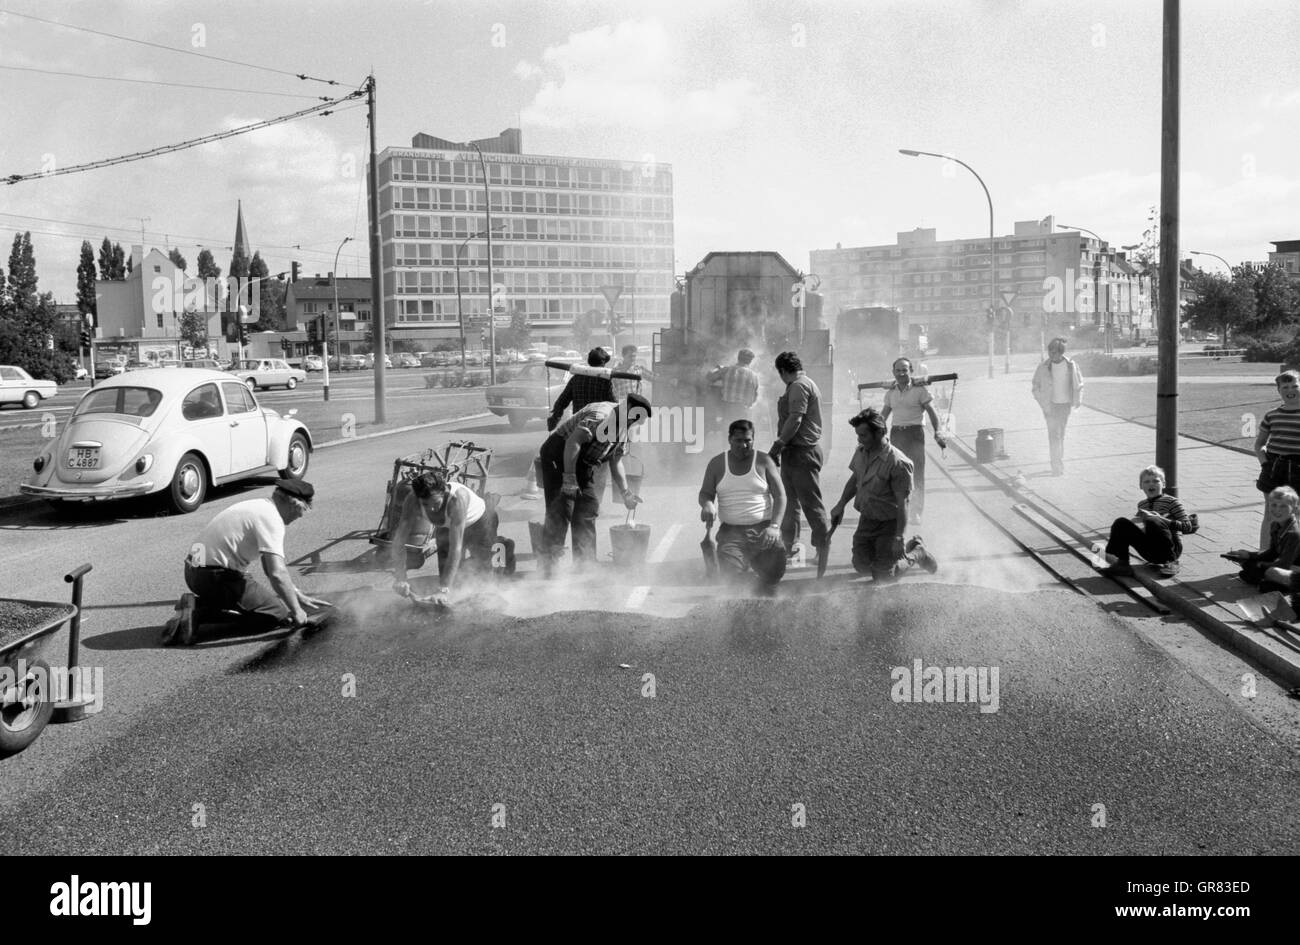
[{"x": 1095, "y": 364}]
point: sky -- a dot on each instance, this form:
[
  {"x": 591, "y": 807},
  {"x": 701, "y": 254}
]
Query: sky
[{"x": 781, "y": 120}]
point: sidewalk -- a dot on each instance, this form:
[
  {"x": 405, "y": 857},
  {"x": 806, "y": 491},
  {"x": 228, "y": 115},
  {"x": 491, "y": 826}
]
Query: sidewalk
[{"x": 1103, "y": 456}]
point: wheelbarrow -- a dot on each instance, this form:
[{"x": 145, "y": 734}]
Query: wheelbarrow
[{"x": 27, "y": 684}]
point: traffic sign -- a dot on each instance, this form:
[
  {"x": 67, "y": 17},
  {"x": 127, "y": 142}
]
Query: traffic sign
[
  {"x": 1008, "y": 297},
  {"x": 502, "y": 321},
  {"x": 611, "y": 293}
]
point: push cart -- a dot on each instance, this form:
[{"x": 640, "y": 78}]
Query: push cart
[{"x": 27, "y": 684}]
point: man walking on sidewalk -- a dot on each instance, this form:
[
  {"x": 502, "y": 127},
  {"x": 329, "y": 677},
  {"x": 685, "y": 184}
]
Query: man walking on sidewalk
[
  {"x": 909, "y": 404},
  {"x": 1058, "y": 388},
  {"x": 798, "y": 452}
]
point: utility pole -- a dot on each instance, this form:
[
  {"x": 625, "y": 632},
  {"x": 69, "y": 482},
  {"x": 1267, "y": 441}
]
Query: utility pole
[
  {"x": 376, "y": 276},
  {"x": 1167, "y": 379}
]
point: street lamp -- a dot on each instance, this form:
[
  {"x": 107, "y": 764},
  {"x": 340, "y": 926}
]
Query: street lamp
[
  {"x": 492, "y": 318},
  {"x": 1195, "y": 252},
  {"x": 1096, "y": 284},
  {"x": 993, "y": 259},
  {"x": 325, "y": 344},
  {"x": 460, "y": 316}
]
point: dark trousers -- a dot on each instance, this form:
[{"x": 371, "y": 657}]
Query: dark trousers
[
  {"x": 740, "y": 547},
  {"x": 1150, "y": 540},
  {"x": 801, "y": 476},
  {"x": 911, "y": 440},
  {"x": 564, "y": 514},
  {"x": 873, "y": 547},
  {"x": 478, "y": 541},
  {"x": 219, "y": 589}
]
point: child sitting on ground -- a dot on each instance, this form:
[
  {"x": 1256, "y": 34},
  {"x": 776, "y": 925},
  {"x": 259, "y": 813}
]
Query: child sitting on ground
[
  {"x": 1274, "y": 569},
  {"x": 1154, "y": 534}
]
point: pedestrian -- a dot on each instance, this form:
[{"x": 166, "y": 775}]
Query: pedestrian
[
  {"x": 463, "y": 523},
  {"x": 742, "y": 488},
  {"x": 1277, "y": 447},
  {"x": 1154, "y": 533},
  {"x": 621, "y": 385},
  {"x": 1058, "y": 388},
  {"x": 595, "y": 436},
  {"x": 583, "y": 389},
  {"x": 1275, "y": 567},
  {"x": 219, "y": 558},
  {"x": 798, "y": 452},
  {"x": 880, "y": 484},
  {"x": 909, "y": 403}
]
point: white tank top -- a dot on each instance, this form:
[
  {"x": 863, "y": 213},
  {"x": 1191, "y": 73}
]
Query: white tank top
[
  {"x": 742, "y": 500},
  {"x": 474, "y": 505}
]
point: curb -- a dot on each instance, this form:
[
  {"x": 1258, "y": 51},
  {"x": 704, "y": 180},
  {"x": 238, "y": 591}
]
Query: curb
[
  {"x": 18, "y": 501},
  {"x": 1177, "y": 596}
]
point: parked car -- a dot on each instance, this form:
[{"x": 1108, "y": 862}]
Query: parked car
[
  {"x": 201, "y": 364},
  {"x": 134, "y": 365},
  {"x": 313, "y": 362},
  {"x": 351, "y": 362},
  {"x": 19, "y": 387},
  {"x": 108, "y": 368},
  {"x": 407, "y": 360},
  {"x": 80, "y": 373},
  {"x": 170, "y": 433},
  {"x": 269, "y": 372},
  {"x": 528, "y": 395},
  {"x": 430, "y": 359},
  {"x": 369, "y": 360}
]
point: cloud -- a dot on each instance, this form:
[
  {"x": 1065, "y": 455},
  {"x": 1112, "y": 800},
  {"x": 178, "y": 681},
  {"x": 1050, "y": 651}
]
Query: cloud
[
  {"x": 1280, "y": 101},
  {"x": 622, "y": 76}
]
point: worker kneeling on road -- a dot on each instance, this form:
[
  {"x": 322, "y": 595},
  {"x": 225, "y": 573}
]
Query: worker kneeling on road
[
  {"x": 742, "y": 487},
  {"x": 463, "y": 522},
  {"x": 595, "y": 435},
  {"x": 880, "y": 485},
  {"x": 226, "y": 548}
]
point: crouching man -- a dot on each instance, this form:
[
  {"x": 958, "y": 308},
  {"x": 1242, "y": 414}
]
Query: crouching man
[
  {"x": 215, "y": 569},
  {"x": 880, "y": 483},
  {"x": 463, "y": 523},
  {"x": 742, "y": 487}
]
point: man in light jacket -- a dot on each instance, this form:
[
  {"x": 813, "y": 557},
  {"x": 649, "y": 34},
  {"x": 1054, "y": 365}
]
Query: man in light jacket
[{"x": 1058, "y": 388}]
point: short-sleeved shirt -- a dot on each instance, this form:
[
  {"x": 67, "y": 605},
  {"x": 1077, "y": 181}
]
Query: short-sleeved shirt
[
  {"x": 1283, "y": 429},
  {"x": 606, "y": 443},
  {"x": 907, "y": 407},
  {"x": 802, "y": 397},
  {"x": 239, "y": 536},
  {"x": 739, "y": 385},
  {"x": 582, "y": 389},
  {"x": 621, "y": 386},
  {"x": 878, "y": 475}
]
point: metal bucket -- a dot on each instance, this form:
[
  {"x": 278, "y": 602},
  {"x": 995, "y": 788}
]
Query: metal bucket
[
  {"x": 631, "y": 543},
  {"x": 989, "y": 445},
  {"x": 535, "y": 535}
]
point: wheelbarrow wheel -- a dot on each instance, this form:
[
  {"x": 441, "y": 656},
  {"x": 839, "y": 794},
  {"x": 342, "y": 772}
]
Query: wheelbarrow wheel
[{"x": 22, "y": 719}]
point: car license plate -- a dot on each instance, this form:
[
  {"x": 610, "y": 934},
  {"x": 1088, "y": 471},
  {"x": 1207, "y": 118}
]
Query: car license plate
[
  {"x": 83, "y": 458},
  {"x": 512, "y": 401}
]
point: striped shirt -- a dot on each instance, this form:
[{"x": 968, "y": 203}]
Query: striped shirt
[
  {"x": 739, "y": 385},
  {"x": 1168, "y": 506},
  {"x": 1283, "y": 429},
  {"x": 622, "y": 386},
  {"x": 606, "y": 442}
]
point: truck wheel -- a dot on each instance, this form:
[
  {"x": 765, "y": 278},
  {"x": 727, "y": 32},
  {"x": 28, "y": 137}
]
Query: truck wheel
[{"x": 30, "y": 705}]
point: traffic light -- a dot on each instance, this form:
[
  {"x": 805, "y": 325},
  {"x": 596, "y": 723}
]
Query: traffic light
[
  {"x": 87, "y": 337},
  {"x": 484, "y": 336},
  {"x": 293, "y": 271},
  {"x": 243, "y": 334},
  {"x": 990, "y": 316},
  {"x": 285, "y": 346},
  {"x": 613, "y": 323}
]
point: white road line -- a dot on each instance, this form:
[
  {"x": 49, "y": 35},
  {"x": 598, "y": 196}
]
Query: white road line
[{"x": 637, "y": 598}]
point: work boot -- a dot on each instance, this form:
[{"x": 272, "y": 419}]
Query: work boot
[
  {"x": 1117, "y": 570},
  {"x": 185, "y": 620},
  {"x": 917, "y": 554}
]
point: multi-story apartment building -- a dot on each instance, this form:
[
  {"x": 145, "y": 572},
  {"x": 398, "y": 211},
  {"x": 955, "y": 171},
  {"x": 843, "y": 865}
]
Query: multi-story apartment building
[
  {"x": 1039, "y": 272},
  {"x": 311, "y": 297},
  {"x": 563, "y": 229},
  {"x": 1286, "y": 253}
]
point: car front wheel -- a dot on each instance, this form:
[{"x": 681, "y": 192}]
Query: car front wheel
[
  {"x": 299, "y": 457},
  {"x": 292, "y": 383},
  {"x": 31, "y": 400},
  {"x": 189, "y": 485}
]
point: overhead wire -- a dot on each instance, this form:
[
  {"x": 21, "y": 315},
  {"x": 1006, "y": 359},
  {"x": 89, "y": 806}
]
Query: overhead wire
[{"x": 176, "y": 85}]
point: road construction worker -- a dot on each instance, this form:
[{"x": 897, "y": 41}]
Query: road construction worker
[
  {"x": 622, "y": 386},
  {"x": 216, "y": 566},
  {"x": 583, "y": 389},
  {"x": 742, "y": 488},
  {"x": 797, "y": 450},
  {"x": 909, "y": 404},
  {"x": 594, "y": 436},
  {"x": 879, "y": 484},
  {"x": 463, "y": 523}
]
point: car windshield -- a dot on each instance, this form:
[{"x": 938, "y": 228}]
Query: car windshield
[{"x": 127, "y": 401}]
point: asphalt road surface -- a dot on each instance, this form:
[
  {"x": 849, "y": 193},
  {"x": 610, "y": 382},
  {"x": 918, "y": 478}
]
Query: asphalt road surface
[{"x": 632, "y": 713}]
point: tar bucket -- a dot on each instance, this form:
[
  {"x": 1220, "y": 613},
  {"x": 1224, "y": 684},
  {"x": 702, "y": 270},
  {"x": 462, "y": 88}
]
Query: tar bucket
[
  {"x": 535, "y": 530},
  {"x": 630, "y": 543},
  {"x": 989, "y": 445}
]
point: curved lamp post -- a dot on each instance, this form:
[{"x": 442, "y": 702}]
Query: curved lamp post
[
  {"x": 492, "y": 315},
  {"x": 993, "y": 259},
  {"x": 460, "y": 316},
  {"x": 325, "y": 346}
]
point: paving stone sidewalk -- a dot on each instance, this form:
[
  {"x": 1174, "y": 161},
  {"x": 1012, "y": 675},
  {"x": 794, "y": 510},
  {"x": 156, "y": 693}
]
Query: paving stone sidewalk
[{"x": 1103, "y": 456}]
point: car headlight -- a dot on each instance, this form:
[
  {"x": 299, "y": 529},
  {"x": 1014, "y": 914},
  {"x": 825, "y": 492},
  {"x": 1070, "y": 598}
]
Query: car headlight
[{"x": 143, "y": 463}]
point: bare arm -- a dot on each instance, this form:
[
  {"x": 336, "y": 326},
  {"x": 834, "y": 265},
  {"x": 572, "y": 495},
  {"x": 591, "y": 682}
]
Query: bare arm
[
  {"x": 1260, "y": 439},
  {"x": 573, "y": 447},
  {"x": 774, "y": 487},
  {"x": 282, "y": 583},
  {"x": 401, "y": 535},
  {"x": 565, "y": 398},
  {"x": 709, "y": 488},
  {"x": 456, "y": 512}
]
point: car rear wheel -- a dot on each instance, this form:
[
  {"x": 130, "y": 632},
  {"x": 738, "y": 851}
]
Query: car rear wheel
[
  {"x": 299, "y": 457},
  {"x": 30, "y": 705},
  {"x": 189, "y": 484},
  {"x": 292, "y": 383},
  {"x": 517, "y": 420},
  {"x": 31, "y": 400}
]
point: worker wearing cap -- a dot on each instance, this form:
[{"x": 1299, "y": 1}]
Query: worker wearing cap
[
  {"x": 879, "y": 485},
  {"x": 596, "y": 435},
  {"x": 909, "y": 403},
  {"x": 224, "y": 551},
  {"x": 463, "y": 524}
]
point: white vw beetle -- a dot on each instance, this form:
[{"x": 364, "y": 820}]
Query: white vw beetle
[{"x": 169, "y": 432}]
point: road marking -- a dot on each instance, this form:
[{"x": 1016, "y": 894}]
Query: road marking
[{"x": 637, "y": 598}]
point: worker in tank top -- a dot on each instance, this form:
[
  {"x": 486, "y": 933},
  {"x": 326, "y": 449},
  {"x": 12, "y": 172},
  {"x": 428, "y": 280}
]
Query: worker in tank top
[
  {"x": 742, "y": 489},
  {"x": 462, "y": 524}
]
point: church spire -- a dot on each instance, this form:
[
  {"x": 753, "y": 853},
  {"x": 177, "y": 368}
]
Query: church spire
[{"x": 241, "y": 238}]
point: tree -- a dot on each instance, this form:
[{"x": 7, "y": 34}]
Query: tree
[
  {"x": 239, "y": 263},
  {"x": 30, "y": 335},
  {"x": 1221, "y": 304},
  {"x": 112, "y": 261},
  {"x": 86, "y": 302},
  {"x": 518, "y": 334},
  {"x": 207, "y": 266},
  {"x": 1276, "y": 301},
  {"x": 22, "y": 273},
  {"x": 177, "y": 259},
  {"x": 194, "y": 328}
]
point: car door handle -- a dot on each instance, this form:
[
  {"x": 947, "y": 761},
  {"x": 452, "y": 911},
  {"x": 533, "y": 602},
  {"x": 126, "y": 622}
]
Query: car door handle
[{"x": 234, "y": 423}]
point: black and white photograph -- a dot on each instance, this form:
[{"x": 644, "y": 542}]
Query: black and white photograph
[{"x": 736, "y": 427}]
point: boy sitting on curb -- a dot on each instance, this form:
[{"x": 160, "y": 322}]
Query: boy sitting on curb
[
  {"x": 1153, "y": 533},
  {"x": 1274, "y": 569}
]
